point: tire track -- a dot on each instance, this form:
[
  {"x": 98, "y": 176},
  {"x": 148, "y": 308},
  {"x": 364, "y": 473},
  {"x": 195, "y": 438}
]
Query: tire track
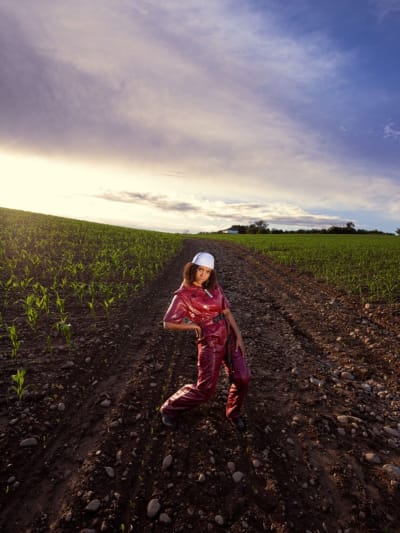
[{"x": 195, "y": 446}]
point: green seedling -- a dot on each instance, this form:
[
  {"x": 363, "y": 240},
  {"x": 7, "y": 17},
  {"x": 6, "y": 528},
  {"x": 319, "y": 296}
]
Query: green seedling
[
  {"x": 19, "y": 380},
  {"x": 31, "y": 312},
  {"x": 60, "y": 304},
  {"x": 79, "y": 289},
  {"x": 15, "y": 342},
  {"x": 107, "y": 304},
  {"x": 32, "y": 316},
  {"x": 64, "y": 328},
  {"x": 42, "y": 300},
  {"x": 91, "y": 308}
]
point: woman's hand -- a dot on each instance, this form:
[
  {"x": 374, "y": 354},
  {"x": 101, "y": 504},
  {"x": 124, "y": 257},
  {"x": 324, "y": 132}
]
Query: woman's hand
[
  {"x": 240, "y": 345},
  {"x": 197, "y": 330}
]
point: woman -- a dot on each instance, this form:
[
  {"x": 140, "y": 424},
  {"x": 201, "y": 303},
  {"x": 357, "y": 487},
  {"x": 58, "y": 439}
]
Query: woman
[{"x": 200, "y": 305}]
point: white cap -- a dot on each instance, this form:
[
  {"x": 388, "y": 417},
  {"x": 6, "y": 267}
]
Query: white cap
[{"x": 204, "y": 259}]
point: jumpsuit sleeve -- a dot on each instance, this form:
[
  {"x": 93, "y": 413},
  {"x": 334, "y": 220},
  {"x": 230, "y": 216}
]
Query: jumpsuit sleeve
[{"x": 177, "y": 311}]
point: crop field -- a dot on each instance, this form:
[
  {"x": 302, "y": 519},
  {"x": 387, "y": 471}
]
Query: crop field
[
  {"x": 85, "y": 365},
  {"x": 362, "y": 265},
  {"x": 56, "y": 272}
]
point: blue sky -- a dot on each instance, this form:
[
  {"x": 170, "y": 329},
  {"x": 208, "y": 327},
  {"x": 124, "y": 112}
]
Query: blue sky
[{"x": 195, "y": 115}]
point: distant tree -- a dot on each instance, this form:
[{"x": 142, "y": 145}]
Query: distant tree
[
  {"x": 258, "y": 227},
  {"x": 398, "y": 231},
  {"x": 262, "y": 227},
  {"x": 348, "y": 228}
]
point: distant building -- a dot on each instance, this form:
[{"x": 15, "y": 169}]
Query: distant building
[{"x": 230, "y": 230}]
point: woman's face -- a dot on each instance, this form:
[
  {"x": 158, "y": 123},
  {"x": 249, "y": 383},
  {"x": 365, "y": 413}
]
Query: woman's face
[{"x": 202, "y": 275}]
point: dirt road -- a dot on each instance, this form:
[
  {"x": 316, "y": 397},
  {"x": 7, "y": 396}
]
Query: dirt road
[{"x": 86, "y": 451}]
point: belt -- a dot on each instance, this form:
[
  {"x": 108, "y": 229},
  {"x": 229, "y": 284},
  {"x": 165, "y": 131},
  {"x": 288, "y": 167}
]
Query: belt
[{"x": 213, "y": 320}]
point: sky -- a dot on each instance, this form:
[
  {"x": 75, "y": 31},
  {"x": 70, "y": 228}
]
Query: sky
[{"x": 193, "y": 116}]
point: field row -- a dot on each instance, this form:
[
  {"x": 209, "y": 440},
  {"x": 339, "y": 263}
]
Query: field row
[{"x": 363, "y": 265}]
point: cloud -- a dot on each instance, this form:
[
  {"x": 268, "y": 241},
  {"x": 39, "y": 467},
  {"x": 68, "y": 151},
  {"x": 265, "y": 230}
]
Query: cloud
[
  {"x": 220, "y": 211},
  {"x": 173, "y": 82},
  {"x": 390, "y": 132},
  {"x": 46, "y": 104},
  {"x": 385, "y": 8},
  {"x": 160, "y": 202},
  {"x": 217, "y": 96}
]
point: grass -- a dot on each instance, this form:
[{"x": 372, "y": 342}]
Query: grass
[{"x": 363, "y": 265}]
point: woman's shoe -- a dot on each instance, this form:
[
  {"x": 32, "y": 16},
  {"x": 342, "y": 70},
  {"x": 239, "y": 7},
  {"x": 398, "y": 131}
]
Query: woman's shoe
[
  {"x": 239, "y": 423},
  {"x": 167, "y": 420}
]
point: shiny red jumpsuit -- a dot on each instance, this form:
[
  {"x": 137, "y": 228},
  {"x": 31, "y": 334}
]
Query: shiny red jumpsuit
[{"x": 215, "y": 347}]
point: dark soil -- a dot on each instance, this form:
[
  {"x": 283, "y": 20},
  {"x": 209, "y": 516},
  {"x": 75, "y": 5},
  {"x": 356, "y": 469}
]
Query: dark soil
[{"x": 322, "y": 416}]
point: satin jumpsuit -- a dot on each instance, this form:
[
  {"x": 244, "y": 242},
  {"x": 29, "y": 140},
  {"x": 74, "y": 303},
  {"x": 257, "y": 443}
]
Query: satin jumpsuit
[{"x": 216, "y": 346}]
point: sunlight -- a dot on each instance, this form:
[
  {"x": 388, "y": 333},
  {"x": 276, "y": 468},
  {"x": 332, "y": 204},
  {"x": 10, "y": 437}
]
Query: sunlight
[
  {"x": 36, "y": 183},
  {"x": 73, "y": 189},
  {"x": 57, "y": 186}
]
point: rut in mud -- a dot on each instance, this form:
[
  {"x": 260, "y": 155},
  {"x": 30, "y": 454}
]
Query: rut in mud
[{"x": 321, "y": 453}]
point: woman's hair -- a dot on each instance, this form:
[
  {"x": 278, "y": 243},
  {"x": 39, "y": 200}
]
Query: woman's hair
[{"x": 189, "y": 275}]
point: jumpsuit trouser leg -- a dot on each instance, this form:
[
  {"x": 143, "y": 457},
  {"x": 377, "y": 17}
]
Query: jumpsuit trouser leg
[
  {"x": 209, "y": 362},
  {"x": 211, "y": 355},
  {"x": 240, "y": 376}
]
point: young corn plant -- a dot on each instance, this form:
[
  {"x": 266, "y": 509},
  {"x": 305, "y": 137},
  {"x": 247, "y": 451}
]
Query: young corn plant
[
  {"x": 91, "y": 308},
  {"x": 60, "y": 305},
  {"x": 42, "y": 300},
  {"x": 79, "y": 288},
  {"x": 19, "y": 380},
  {"x": 65, "y": 328},
  {"x": 32, "y": 314},
  {"x": 92, "y": 294},
  {"x": 10, "y": 285},
  {"x": 15, "y": 342},
  {"x": 24, "y": 283},
  {"x": 107, "y": 303}
]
